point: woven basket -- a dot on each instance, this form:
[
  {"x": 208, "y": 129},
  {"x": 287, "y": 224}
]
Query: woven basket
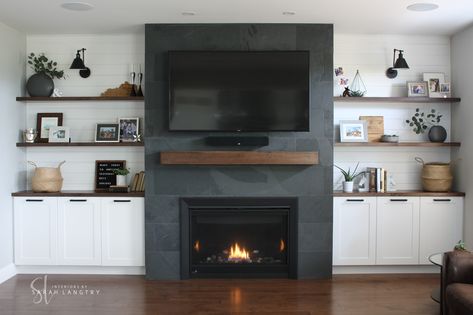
[
  {"x": 47, "y": 179},
  {"x": 436, "y": 177}
]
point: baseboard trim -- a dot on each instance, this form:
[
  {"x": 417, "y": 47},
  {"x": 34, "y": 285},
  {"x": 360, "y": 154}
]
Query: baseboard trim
[
  {"x": 7, "y": 272},
  {"x": 80, "y": 270},
  {"x": 344, "y": 270}
]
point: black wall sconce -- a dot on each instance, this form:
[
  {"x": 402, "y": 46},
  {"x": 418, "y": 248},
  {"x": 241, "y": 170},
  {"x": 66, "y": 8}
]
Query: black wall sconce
[
  {"x": 400, "y": 63},
  {"x": 79, "y": 64}
]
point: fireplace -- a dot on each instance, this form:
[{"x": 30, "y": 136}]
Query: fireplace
[{"x": 238, "y": 237}]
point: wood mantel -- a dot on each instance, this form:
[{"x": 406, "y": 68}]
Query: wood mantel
[{"x": 239, "y": 158}]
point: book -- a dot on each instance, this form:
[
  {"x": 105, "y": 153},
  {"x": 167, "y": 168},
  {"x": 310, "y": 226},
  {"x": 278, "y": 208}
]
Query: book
[
  {"x": 372, "y": 178},
  {"x": 134, "y": 182},
  {"x": 378, "y": 180},
  {"x": 118, "y": 189},
  {"x": 140, "y": 181}
]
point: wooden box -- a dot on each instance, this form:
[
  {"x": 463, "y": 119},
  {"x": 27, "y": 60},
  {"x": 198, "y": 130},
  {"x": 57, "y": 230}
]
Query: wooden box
[{"x": 375, "y": 127}]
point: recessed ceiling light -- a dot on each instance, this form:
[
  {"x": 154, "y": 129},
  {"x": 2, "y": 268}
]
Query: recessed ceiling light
[
  {"x": 188, "y": 13},
  {"x": 289, "y": 13},
  {"x": 422, "y": 7},
  {"x": 77, "y": 6}
]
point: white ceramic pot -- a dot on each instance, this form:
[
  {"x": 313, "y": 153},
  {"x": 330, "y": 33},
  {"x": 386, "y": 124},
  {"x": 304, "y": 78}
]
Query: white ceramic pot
[
  {"x": 348, "y": 187},
  {"x": 121, "y": 180}
]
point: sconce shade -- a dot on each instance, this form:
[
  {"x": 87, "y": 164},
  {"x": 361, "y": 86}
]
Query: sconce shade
[
  {"x": 78, "y": 63},
  {"x": 401, "y": 63}
]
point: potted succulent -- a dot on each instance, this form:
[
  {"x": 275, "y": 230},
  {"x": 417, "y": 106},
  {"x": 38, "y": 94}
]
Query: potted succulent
[
  {"x": 121, "y": 174},
  {"x": 349, "y": 177},
  {"x": 41, "y": 83},
  {"x": 421, "y": 121}
]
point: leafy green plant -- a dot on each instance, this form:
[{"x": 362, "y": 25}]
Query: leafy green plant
[
  {"x": 357, "y": 93},
  {"x": 349, "y": 175},
  {"x": 421, "y": 120},
  {"x": 460, "y": 246},
  {"x": 121, "y": 171},
  {"x": 41, "y": 64}
]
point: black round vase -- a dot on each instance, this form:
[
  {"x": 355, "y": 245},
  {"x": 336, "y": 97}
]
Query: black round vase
[
  {"x": 40, "y": 84},
  {"x": 437, "y": 134}
]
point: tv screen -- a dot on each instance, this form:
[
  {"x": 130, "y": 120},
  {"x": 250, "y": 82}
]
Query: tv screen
[{"x": 239, "y": 90}]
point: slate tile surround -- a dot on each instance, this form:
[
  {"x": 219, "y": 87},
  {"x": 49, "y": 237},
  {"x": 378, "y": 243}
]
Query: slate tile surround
[{"x": 311, "y": 184}]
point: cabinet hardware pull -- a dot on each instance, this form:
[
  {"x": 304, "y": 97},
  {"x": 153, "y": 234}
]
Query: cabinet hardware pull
[
  {"x": 357, "y": 200},
  {"x": 34, "y": 200},
  {"x": 122, "y": 201},
  {"x": 446, "y": 200},
  {"x": 78, "y": 200},
  {"x": 398, "y": 200}
]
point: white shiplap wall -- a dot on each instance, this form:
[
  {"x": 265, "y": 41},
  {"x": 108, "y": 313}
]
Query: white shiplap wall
[
  {"x": 110, "y": 58},
  {"x": 372, "y": 55}
]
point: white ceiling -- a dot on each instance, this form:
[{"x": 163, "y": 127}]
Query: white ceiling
[{"x": 349, "y": 16}]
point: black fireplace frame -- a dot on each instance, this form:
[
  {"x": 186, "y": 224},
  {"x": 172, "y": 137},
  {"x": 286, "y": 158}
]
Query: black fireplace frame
[{"x": 290, "y": 204}]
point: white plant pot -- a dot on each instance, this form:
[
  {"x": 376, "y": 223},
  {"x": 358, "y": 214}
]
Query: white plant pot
[
  {"x": 348, "y": 187},
  {"x": 121, "y": 180}
]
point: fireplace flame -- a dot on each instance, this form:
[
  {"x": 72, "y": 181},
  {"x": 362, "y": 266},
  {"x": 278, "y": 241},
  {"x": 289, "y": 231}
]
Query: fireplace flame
[
  {"x": 238, "y": 253},
  {"x": 282, "y": 245}
]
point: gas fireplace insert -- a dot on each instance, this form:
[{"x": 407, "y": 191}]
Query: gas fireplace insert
[{"x": 238, "y": 237}]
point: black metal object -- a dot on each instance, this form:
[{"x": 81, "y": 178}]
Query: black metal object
[
  {"x": 246, "y": 209},
  {"x": 79, "y": 63},
  {"x": 237, "y": 141},
  {"x": 399, "y": 63}
]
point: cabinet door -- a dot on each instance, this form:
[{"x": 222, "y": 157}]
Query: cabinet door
[
  {"x": 441, "y": 225},
  {"x": 354, "y": 231},
  {"x": 397, "y": 231},
  {"x": 35, "y": 231},
  {"x": 123, "y": 235},
  {"x": 79, "y": 231}
]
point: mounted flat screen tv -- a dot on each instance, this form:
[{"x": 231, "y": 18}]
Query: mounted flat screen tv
[{"x": 239, "y": 91}]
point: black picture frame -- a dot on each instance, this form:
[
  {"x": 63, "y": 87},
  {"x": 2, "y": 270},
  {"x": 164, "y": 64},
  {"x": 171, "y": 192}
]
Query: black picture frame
[{"x": 113, "y": 129}]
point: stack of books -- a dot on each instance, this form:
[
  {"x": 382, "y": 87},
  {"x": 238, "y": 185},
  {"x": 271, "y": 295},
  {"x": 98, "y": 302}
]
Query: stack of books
[
  {"x": 138, "y": 182},
  {"x": 378, "y": 179}
]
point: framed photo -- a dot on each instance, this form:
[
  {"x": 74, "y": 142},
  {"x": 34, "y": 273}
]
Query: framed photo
[
  {"x": 59, "y": 134},
  {"x": 107, "y": 133},
  {"x": 353, "y": 131},
  {"x": 433, "y": 82},
  {"x": 44, "y": 121},
  {"x": 129, "y": 129},
  {"x": 445, "y": 89},
  {"x": 417, "y": 89}
]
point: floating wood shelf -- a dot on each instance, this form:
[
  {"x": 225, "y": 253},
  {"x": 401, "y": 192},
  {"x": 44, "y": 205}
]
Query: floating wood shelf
[
  {"x": 399, "y": 144},
  {"x": 82, "y": 144},
  {"x": 405, "y": 193},
  {"x": 397, "y": 99},
  {"x": 76, "y": 193},
  {"x": 239, "y": 158},
  {"x": 78, "y": 98}
]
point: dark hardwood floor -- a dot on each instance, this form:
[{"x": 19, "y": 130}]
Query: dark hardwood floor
[{"x": 354, "y": 295}]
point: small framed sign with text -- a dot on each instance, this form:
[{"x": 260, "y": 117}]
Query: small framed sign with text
[{"x": 104, "y": 175}]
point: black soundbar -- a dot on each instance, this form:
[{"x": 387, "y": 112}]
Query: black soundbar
[{"x": 237, "y": 141}]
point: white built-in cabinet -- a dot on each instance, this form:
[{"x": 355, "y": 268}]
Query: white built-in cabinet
[
  {"x": 397, "y": 230},
  {"x": 354, "y": 229},
  {"x": 441, "y": 225},
  {"x": 123, "y": 240},
  {"x": 78, "y": 231},
  {"x": 394, "y": 230},
  {"x": 35, "y": 226},
  {"x": 95, "y": 231}
]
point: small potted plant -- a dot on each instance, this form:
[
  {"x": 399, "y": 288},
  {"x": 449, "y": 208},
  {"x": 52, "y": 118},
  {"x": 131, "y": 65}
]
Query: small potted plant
[
  {"x": 349, "y": 177},
  {"x": 41, "y": 83},
  {"x": 421, "y": 121},
  {"x": 121, "y": 176}
]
